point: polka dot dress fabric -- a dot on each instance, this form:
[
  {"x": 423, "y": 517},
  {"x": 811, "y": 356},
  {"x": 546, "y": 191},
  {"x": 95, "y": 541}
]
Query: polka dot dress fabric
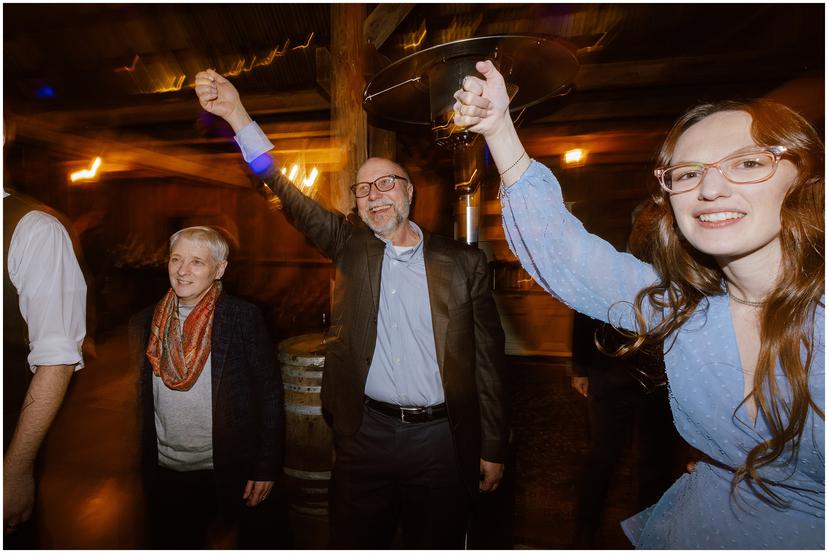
[{"x": 706, "y": 383}]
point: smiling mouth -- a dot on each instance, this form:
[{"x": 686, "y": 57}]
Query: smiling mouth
[
  {"x": 720, "y": 217},
  {"x": 379, "y": 208}
]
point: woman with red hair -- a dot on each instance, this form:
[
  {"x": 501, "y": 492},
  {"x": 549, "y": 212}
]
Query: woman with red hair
[{"x": 735, "y": 291}]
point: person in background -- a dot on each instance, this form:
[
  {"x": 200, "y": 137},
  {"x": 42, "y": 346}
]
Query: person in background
[
  {"x": 210, "y": 400},
  {"x": 735, "y": 291},
  {"x": 627, "y": 401}
]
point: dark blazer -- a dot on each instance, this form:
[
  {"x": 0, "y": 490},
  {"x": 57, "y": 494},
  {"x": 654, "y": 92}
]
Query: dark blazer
[
  {"x": 468, "y": 337},
  {"x": 248, "y": 414}
]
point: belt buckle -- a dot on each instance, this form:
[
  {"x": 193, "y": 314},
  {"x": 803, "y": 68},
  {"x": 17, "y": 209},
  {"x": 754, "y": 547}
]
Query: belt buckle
[{"x": 412, "y": 410}]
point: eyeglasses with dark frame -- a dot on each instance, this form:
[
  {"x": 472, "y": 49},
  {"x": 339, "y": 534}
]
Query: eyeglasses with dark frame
[
  {"x": 745, "y": 167},
  {"x": 384, "y": 184}
]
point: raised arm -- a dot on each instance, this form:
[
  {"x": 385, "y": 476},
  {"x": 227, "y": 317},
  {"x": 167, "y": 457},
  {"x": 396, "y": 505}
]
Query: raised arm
[
  {"x": 328, "y": 230},
  {"x": 218, "y": 96},
  {"x": 580, "y": 269},
  {"x": 483, "y": 106}
]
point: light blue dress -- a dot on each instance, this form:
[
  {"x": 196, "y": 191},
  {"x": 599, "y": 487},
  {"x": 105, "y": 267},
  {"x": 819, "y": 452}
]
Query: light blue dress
[{"x": 706, "y": 385}]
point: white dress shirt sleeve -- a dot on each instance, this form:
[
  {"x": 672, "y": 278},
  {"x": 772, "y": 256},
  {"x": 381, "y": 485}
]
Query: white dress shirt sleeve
[
  {"x": 51, "y": 290},
  {"x": 253, "y": 141}
]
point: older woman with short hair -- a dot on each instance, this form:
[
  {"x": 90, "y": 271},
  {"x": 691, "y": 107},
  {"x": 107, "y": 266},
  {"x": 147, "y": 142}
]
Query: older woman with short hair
[{"x": 211, "y": 414}]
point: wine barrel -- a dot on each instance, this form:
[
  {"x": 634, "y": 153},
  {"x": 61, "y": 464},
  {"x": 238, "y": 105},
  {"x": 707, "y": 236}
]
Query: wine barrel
[{"x": 309, "y": 440}]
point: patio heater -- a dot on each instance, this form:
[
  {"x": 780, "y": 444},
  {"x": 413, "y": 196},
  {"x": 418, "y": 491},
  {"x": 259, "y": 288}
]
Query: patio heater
[{"x": 419, "y": 89}]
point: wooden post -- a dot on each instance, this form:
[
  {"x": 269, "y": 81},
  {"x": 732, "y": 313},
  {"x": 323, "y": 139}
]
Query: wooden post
[
  {"x": 348, "y": 120},
  {"x": 382, "y": 143}
]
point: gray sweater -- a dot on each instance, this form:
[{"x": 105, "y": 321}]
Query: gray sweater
[{"x": 184, "y": 420}]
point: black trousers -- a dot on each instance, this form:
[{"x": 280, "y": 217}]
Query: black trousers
[
  {"x": 394, "y": 473},
  {"x": 185, "y": 512}
]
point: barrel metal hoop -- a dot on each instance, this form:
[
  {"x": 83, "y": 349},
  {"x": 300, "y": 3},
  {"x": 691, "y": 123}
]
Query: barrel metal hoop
[
  {"x": 301, "y": 374},
  {"x": 301, "y": 360},
  {"x": 309, "y": 511},
  {"x": 302, "y": 389},
  {"x": 317, "y": 491},
  {"x": 307, "y": 474},
  {"x": 303, "y": 409}
]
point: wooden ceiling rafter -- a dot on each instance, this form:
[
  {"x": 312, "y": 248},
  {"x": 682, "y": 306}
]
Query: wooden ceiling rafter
[{"x": 169, "y": 161}]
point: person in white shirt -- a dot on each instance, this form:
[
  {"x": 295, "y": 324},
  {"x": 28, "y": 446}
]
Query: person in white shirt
[{"x": 42, "y": 338}]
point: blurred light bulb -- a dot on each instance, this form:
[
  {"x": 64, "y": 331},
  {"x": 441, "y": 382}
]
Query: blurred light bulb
[{"x": 574, "y": 157}]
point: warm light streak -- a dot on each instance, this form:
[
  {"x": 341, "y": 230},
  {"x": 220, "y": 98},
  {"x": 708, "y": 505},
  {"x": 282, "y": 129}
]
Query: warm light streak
[
  {"x": 275, "y": 53},
  {"x": 466, "y": 183},
  {"x": 175, "y": 85},
  {"x": 450, "y": 124},
  {"x": 310, "y": 179},
  {"x": 131, "y": 68},
  {"x": 243, "y": 67},
  {"x": 293, "y": 171},
  {"x": 574, "y": 157},
  {"x": 449, "y": 121},
  {"x": 87, "y": 174},
  {"x": 239, "y": 67},
  {"x": 416, "y": 42},
  {"x": 305, "y": 184},
  {"x": 306, "y": 44}
]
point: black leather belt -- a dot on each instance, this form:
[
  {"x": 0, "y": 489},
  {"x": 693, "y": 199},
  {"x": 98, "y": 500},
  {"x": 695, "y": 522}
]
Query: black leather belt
[{"x": 409, "y": 414}]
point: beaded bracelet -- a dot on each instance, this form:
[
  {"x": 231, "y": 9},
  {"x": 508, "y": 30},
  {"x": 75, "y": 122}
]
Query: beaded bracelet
[
  {"x": 512, "y": 166},
  {"x": 500, "y": 188}
]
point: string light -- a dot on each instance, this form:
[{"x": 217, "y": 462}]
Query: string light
[
  {"x": 305, "y": 184},
  {"x": 293, "y": 171},
  {"x": 175, "y": 85},
  {"x": 131, "y": 68},
  {"x": 575, "y": 157},
  {"x": 310, "y": 179},
  {"x": 87, "y": 174},
  {"x": 418, "y": 41},
  {"x": 239, "y": 67}
]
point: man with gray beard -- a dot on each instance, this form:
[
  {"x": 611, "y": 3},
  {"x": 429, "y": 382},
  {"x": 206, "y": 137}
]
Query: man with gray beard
[{"x": 414, "y": 370}]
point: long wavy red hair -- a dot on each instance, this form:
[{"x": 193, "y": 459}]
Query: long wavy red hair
[{"x": 687, "y": 276}]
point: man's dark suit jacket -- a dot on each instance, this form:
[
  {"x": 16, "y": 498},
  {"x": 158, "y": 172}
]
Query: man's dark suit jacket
[
  {"x": 467, "y": 333},
  {"x": 248, "y": 415}
]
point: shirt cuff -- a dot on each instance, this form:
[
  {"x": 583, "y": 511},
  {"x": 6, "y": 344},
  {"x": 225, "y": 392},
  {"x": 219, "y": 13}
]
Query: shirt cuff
[
  {"x": 55, "y": 351},
  {"x": 253, "y": 141}
]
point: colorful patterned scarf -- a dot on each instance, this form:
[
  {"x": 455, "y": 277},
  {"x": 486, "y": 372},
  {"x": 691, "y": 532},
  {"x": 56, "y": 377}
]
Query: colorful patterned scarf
[{"x": 178, "y": 359}]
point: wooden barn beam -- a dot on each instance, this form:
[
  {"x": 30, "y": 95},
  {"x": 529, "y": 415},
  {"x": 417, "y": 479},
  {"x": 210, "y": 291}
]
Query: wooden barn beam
[
  {"x": 123, "y": 154},
  {"x": 691, "y": 70},
  {"x": 383, "y": 21},
  {"x": 348, "y": 119},
  {"x": 187, "y": 108}
]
